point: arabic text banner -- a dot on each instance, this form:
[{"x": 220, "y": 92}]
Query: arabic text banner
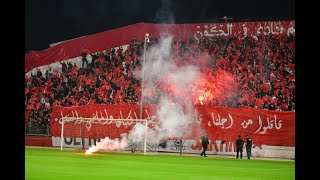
[
  {"x": 274, "y": 128},
  {"x": 122, "y": 36}
]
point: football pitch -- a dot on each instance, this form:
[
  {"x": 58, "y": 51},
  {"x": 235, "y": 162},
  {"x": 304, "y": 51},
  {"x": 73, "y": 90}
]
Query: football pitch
[{"x": 46, "y": 164}]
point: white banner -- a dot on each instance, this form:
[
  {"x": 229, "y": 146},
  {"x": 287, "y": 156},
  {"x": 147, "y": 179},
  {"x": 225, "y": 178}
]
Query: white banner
[{"x": 188, "y": 146}]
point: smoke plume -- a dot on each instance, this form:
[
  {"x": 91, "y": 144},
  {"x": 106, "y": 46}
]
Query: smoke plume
[
  {"x": 175, "y": 110},
  {"x": 174, "y": 116}
]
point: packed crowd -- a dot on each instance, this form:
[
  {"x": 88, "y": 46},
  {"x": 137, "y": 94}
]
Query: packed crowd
[{"x": 263, "y": 71}]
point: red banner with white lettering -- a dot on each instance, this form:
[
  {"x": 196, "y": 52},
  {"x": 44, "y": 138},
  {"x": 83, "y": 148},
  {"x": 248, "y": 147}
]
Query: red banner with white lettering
[
  {"x": 276, "y": 128},
  {"x": 122, "y": 36}
]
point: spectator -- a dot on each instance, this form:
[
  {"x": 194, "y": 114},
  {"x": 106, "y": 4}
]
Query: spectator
[{"x": 263, "y": 73}]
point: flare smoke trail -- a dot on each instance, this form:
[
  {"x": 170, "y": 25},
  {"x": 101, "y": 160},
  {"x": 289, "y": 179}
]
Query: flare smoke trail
[{"x": 174, "y": 117}]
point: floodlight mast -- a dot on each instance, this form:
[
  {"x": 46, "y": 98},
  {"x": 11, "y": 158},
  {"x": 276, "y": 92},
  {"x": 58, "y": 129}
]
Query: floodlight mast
[{"x": 146, "y": 39}]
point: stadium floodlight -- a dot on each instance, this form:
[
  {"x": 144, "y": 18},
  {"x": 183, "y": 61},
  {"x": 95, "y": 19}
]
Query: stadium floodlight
[
  {"x": 95, "y": 128},
  {"x": 146, "y": 39},
  {"x": 225, "y": 18}
]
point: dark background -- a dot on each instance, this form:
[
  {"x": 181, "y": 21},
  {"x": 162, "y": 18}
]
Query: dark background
[{"x": 48, "y": 22}]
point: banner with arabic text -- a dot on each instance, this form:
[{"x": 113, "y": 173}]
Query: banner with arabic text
[
  {"x": 274, "y": 128},
  {"x": 122, "y": 36}
]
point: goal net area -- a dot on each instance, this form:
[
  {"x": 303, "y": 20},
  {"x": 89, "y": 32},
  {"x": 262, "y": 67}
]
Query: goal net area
[{"x": 108, "y": 134}]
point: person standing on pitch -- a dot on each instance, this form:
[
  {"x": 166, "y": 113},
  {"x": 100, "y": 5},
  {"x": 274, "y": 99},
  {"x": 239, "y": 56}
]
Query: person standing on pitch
[
  {"x": 248, "y": 146},
  {"x": 239, "y": 145},
  {"x": 204, "y": 142}
]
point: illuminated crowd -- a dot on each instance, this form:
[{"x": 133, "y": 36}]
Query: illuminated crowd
[{"x": 262, "y": 73}]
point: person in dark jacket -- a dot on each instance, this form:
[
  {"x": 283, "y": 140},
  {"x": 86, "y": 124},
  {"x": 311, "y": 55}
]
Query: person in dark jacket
[
  {"x": 204, "y": 142},
  {"x": 239, "y": 146},
  {"x": 248, "y": 146}
]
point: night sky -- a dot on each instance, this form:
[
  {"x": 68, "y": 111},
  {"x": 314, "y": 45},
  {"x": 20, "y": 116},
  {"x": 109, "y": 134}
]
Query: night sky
[{"x": 48, "y": 22}]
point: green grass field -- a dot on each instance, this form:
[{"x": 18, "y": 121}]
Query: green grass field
[{"x": 46, "y": 164}]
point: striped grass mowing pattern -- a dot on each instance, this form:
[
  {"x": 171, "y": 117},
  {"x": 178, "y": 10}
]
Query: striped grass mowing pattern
[{"x": 47, "y": 164}]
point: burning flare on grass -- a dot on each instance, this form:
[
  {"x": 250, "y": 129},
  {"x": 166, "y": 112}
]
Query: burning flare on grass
[
  {"x": 108, "y": 144},
  {"x": 91, "y": 150}
]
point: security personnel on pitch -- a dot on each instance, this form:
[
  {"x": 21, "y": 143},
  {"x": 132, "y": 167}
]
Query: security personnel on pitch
[
  {"x": 239, "y": 146},
  {"x": 248, "y": 146},
  {"x": 204, "y": 142}
]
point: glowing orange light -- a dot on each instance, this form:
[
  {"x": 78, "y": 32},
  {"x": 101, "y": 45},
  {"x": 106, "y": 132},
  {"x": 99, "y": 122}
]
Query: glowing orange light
[
  {"x": 91, "y": 150},
  {"x": 88, "y": 152}
]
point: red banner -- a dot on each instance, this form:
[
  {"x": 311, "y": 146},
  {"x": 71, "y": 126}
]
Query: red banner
[
  {"x": 122, "y": 36},
  {"x": 267, "y": 127}
]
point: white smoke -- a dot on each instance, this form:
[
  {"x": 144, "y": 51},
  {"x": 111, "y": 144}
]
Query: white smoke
[
  {"x": 173, "y": 123},
  {"x": 137, "y": 133},
  {"x": 165, "y": 14},
  {"x": 108, "y": 144},
  {"x": 174, "y": 116}
]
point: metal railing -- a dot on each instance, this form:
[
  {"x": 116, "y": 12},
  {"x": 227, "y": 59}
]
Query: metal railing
[{"x": 36, "y": 129}]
